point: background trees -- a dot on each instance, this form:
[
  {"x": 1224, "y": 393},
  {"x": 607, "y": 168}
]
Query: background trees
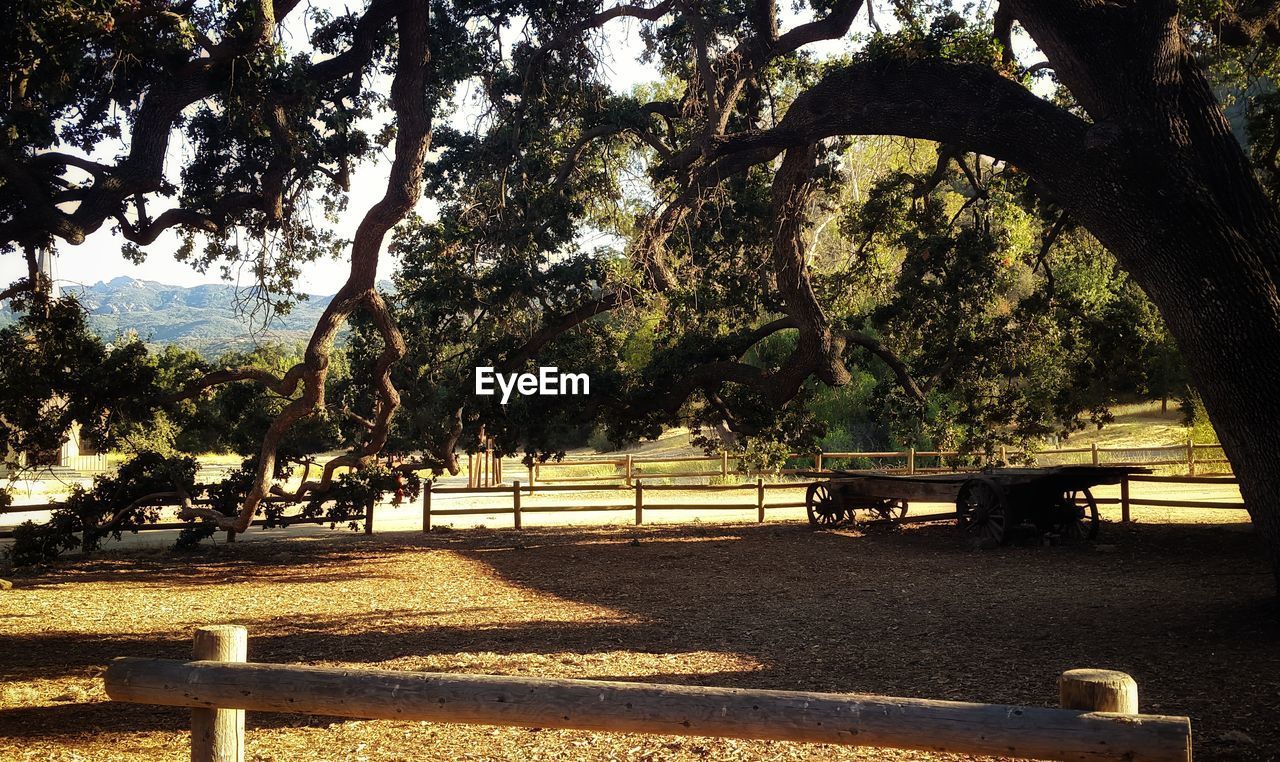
[{"x": 712, "y": 247}]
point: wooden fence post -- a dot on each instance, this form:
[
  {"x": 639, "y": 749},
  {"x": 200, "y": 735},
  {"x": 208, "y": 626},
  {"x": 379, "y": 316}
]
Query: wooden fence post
[
  {"x": 1191, "y": 457},
  {"x": 217, "y": 735},
  {"x": 1094, "y": 450},
  {"x": 817, "y": 461},
  {"x": 1004, "y": 456},
  {"x": 426, "y": 505},
  {"x": 759, "y": 500},
  {"x": 1124, "y": 499},
  {"x": 639, "y": 503},
  {"x": 515, "y": 501},
  {"x": 368, "y": 516},
  {"x": 724, "y": 465},
  {"x": 911, "y": 461},
  {"x": 628, "y": 467},
  {"x": 1098, "y": 690}
]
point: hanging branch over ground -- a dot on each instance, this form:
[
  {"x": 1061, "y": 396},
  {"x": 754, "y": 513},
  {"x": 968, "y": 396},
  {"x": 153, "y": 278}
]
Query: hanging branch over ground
[
  {"x": 404, "y": 187},
  {"x": 729, "y": 77},
  {"x": 819, "y": 350},
  {"x": 47, "y": 200}
]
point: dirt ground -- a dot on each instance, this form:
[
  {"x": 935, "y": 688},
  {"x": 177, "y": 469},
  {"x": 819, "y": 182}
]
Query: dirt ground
[{"x": 1186, "y": 609}]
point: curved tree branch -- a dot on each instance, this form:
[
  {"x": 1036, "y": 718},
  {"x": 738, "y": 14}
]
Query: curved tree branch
[
  {"x": 962, "y": 104},
  {"x": 895, "y": 363},
  {"x": 285, "y": 385},
  {"x": 141, "y": 171},
  {"x": 404, "y": 186},
  {"x": 555, "y": 326}
]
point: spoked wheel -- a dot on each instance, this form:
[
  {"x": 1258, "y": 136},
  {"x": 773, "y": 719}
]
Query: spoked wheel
[
  {"x": 824, "y": 510},
  {"x": 889, "y": 510},
  {"x": 1080, "y": 516},
  {"x": 982, "y": 512}
]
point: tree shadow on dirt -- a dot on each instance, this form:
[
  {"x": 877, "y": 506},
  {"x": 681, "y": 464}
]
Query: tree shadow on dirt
[
  {"x": 1187, "y": 610},
  {"x": 916, "y": 612}
]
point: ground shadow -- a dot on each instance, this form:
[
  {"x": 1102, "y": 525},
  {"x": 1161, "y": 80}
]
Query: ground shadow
[{"x": 916, "y": 612}]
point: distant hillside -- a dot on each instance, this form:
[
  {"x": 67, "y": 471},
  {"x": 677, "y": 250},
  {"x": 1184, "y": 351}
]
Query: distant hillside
[{"x": 203, "y": 318}]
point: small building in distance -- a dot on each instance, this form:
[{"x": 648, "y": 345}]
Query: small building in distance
[{"x": 72, "y": 455}]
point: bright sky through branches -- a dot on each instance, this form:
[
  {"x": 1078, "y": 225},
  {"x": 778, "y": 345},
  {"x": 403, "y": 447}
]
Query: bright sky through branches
[{"x": 99, "y": 257}]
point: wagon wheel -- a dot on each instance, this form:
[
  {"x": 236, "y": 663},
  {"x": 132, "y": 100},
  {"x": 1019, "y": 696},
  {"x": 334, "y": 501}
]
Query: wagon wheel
[
  {"x": 981, "y": 510},
  {"x": 823, "y": 507},
  {"x": 1083, "y": 524},
  {"x": 890, "y": 509}
]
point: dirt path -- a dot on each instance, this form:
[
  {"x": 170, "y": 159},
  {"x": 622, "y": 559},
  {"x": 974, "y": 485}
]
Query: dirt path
[{"x": 1184, "y": 608}]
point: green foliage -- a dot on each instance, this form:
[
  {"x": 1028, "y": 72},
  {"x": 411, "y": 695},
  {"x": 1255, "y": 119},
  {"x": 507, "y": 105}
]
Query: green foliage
[
  {"x": 57, "y": 373},
  {"x": 599, "y": 440},
  {"x": 1025, "y": 339},
  {"x": 936, "y": 33},
  {"x": 1196, "y": 418},
  {"x": 35, "y": 544},
  {"x": 234, "y": 417},
  {"x": 108, "y": 508},
  {"x": 352, "y": 493},
  {"x": 758, "y": 454},
  {"x": 1013, "y": 339}
]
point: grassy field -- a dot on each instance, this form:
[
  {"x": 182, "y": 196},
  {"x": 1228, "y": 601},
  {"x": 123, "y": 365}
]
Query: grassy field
[
  {"x": 1138, "y": 423},
  {"x": 1184, "y": 608}
]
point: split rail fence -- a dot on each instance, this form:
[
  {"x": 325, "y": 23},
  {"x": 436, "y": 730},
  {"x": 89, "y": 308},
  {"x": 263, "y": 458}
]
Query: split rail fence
[
  {"x": 631, "y": 481},
  {"x": 629, "y": 468},
  {"x": 284, "y": 521},
  {"x": 517, "y": 508},
  {"x": 1098, "y": 718},
  {"x": 637, "y": 501}
]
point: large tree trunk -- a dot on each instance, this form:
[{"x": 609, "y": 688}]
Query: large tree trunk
[
  {"x": 1211, "y": 267},
  {"x": 1214, "y": 280},
  {"x": 1169, "y": 191}
]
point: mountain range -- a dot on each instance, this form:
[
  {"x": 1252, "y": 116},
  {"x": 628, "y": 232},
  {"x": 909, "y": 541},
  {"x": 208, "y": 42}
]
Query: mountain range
[{"x": 204, "y": 318}]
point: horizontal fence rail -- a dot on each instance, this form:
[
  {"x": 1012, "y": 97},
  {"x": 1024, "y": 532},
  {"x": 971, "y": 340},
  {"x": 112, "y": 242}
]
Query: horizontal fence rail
[
  {"x": 629, "y": 468},
  {"x": 1100, "y": 720},
  {"x": 637, "y": 486},
  {"x": 638, "y": 504},
  {"x": 282, "y": 521}
]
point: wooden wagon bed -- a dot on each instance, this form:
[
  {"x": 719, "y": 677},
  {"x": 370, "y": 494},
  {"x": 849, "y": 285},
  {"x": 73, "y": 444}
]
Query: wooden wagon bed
[{"x": 988, "y": 503}]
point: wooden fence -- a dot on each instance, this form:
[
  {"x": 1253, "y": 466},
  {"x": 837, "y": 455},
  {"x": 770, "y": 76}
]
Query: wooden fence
[
  {"x": 1126, "y": 499},
  {"x": 628, "y": 468},
  {"x": 283, "y": 521},
  {"x": 517, "y": 509},
  {"x": 636, "y": 501},
  {"x": 639, "y": 498},
  {"x": 1098, "y": 718}
]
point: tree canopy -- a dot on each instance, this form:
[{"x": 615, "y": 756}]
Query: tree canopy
[{"x": 972, "y": 225}]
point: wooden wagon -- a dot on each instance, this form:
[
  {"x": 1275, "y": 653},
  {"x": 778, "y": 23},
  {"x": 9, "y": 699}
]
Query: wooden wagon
[{"x": 989, "y": 504}]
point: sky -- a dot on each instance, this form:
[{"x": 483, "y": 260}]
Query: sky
[{"x": 99, "y": 257}]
